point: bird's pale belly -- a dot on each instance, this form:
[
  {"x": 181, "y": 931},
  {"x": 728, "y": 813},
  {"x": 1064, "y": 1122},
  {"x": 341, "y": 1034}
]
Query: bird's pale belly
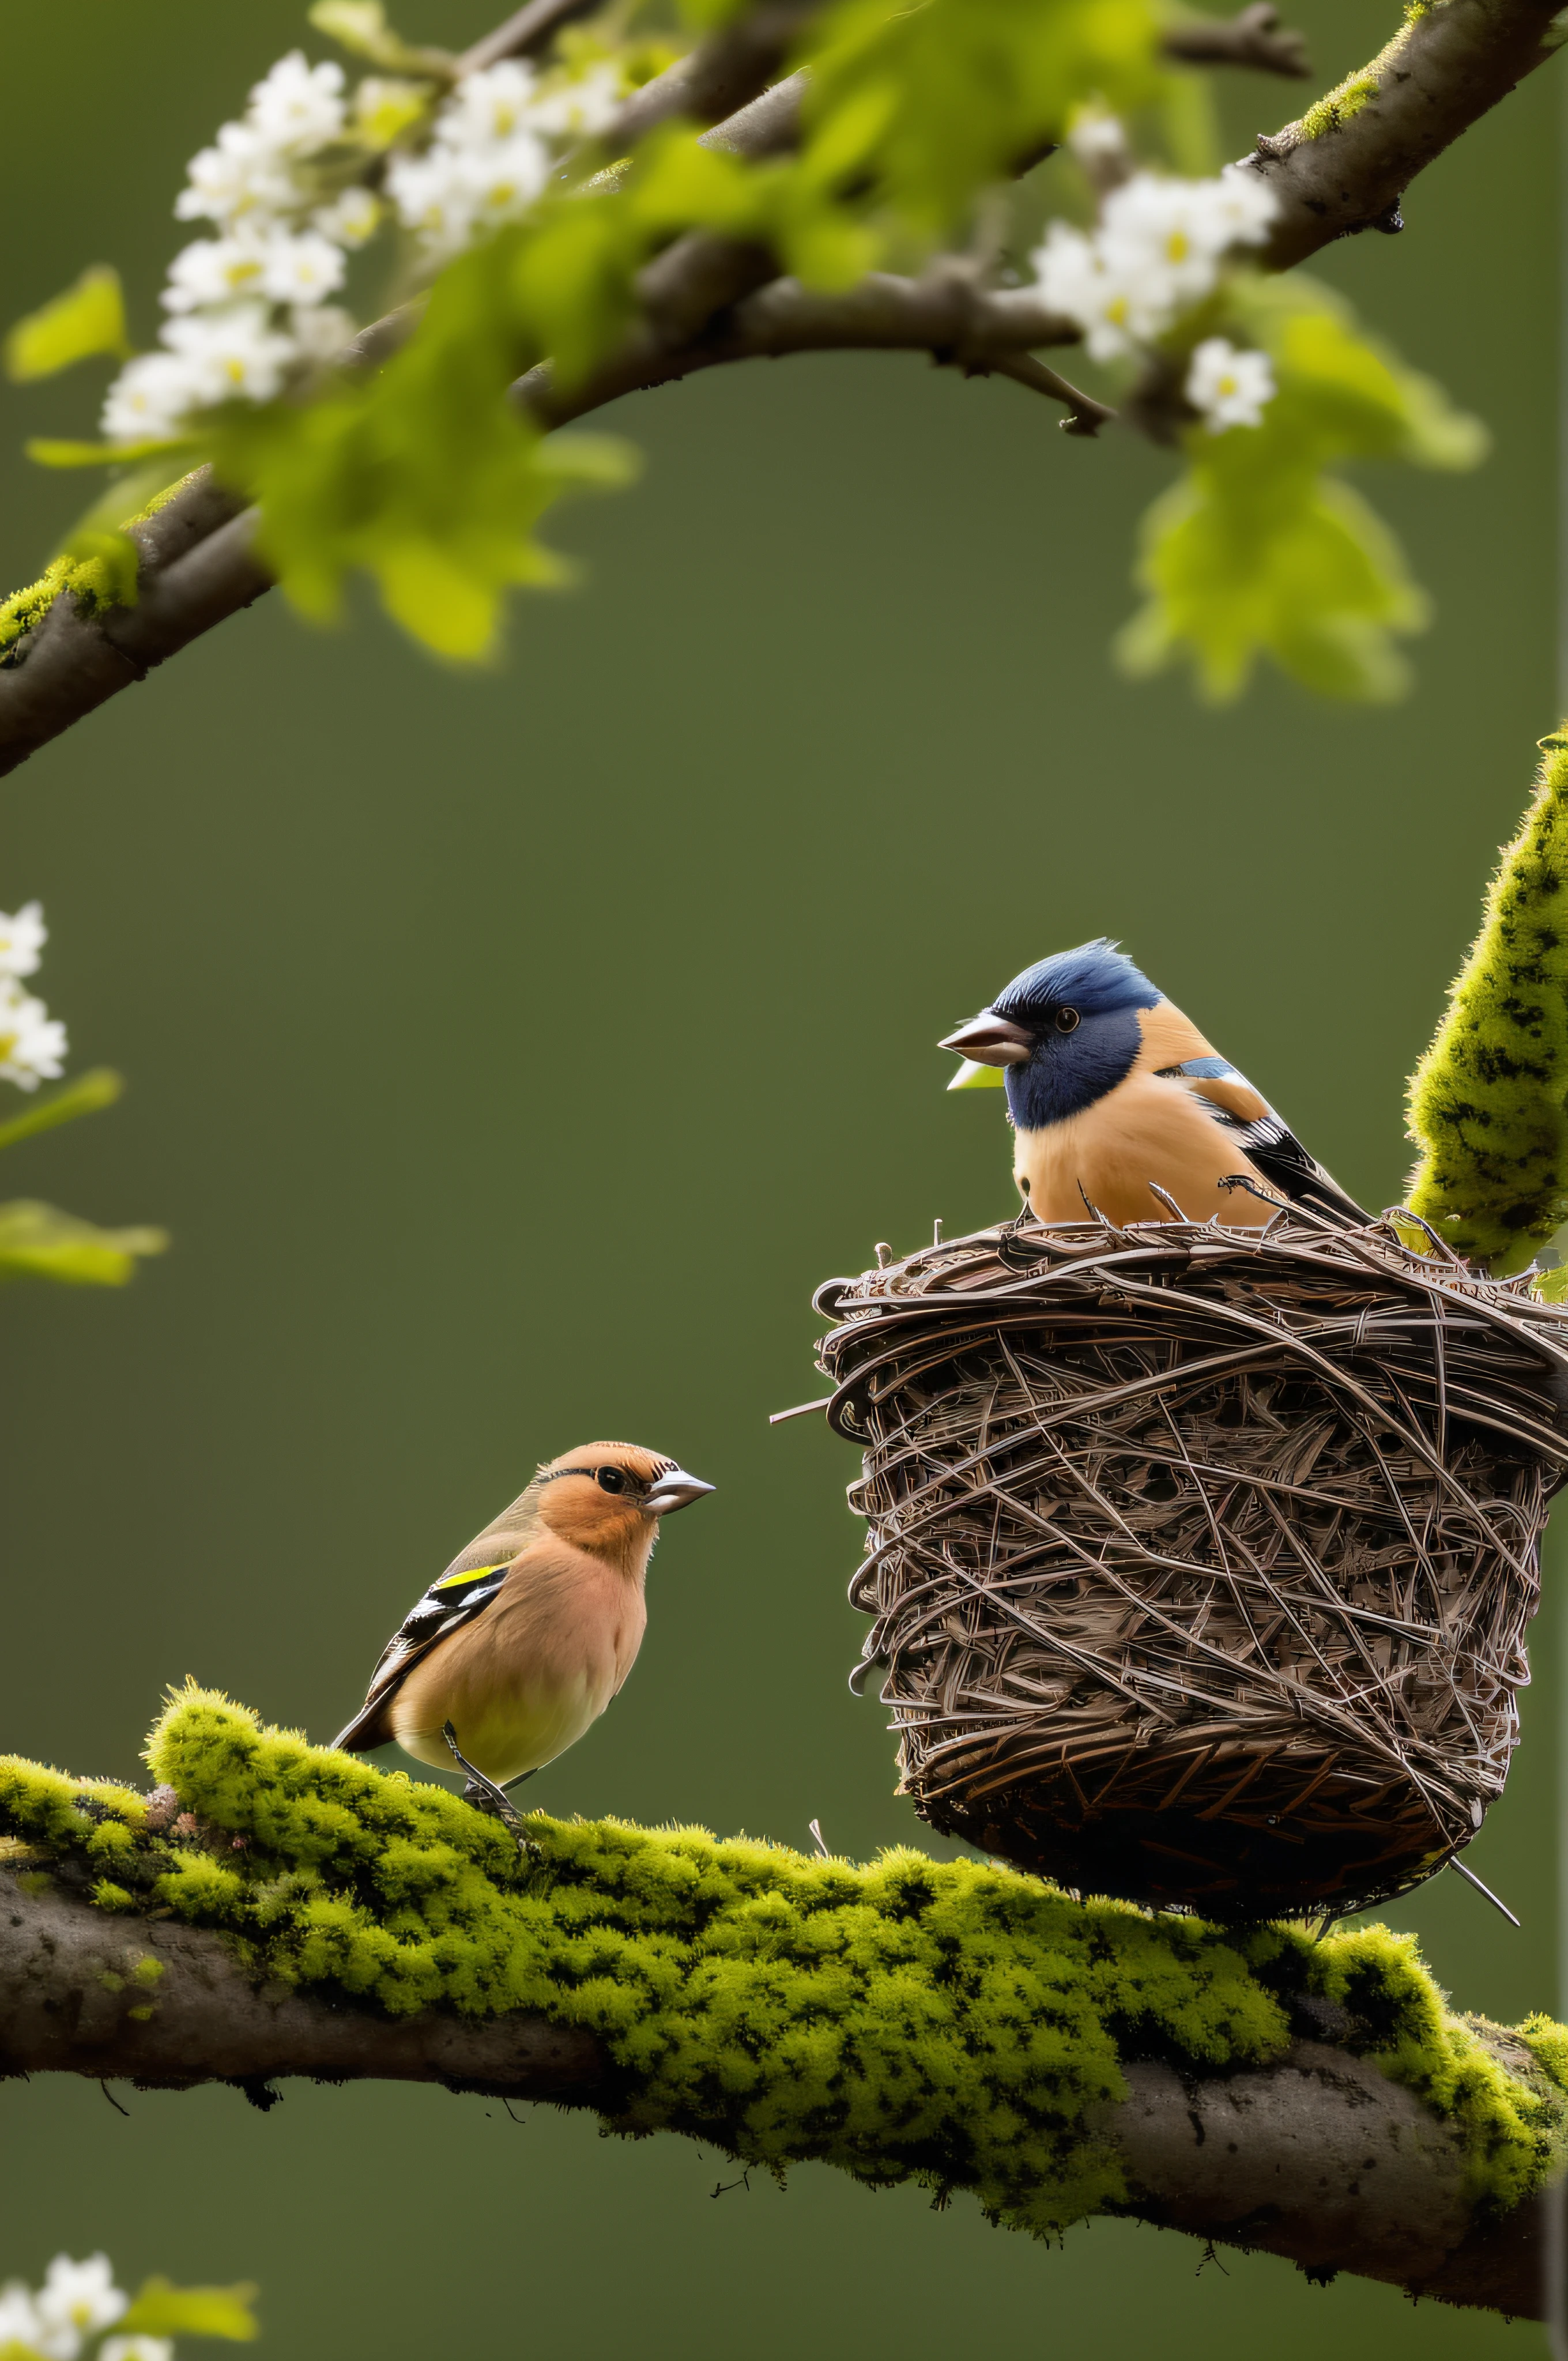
[
  {"x": 1145, "y": 1130},
  {"x": 510, "y": 1717}
]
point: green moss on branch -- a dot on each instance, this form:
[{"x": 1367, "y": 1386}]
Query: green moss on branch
[
  {"x": 1488, "y": 1103},
  {"x": 944, "y": 2022}
]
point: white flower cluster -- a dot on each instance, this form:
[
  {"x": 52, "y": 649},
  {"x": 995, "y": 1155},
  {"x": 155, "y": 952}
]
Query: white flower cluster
[
  {"x": 1158, "y": 250},
  {"x": 75, "y": 2301},
  {"x": 492, "y": 151},
  {"x": 32, "y": 1042},
  {"x": 250, "y": 306}
]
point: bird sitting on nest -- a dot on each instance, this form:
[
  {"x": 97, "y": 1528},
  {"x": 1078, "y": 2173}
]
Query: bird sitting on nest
[
  {"x": 517, "y": 1648},
  {"x": 1121, "y": 1105}
]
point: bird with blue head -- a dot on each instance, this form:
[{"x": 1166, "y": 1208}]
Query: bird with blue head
[{"x": 1113, "y": 1095}]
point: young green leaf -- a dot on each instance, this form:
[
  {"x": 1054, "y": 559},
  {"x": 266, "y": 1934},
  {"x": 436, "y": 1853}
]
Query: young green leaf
[
  {"x": 87, "y": 320},
  {"x": 159, "y": 2310},
  {"x": 38, "y": 1241},
  {"x": 85, "y": 1095},
  {"x": 1257, "y": 549}
]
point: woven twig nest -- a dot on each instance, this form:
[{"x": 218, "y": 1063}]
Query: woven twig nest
[{"x": 1200, "y": 1558}]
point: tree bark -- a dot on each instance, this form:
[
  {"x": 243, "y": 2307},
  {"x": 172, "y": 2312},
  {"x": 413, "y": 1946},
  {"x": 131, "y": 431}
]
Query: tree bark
[{"x": 1317, "y": 2159}]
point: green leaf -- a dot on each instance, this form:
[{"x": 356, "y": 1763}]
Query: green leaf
[
  {"x": 128, "y": 500},
  {"x": 931, "y": 102},
  {"x": 38, "y": 1241},
  {"x": 87, "y": 320},
  {"x": 90, "y": 1092},
  {"x": 47, "y": 452},
  {"x": 1258, "y": 550},
  {"x": 361, "y": 28},
  {"x": 428, "y": 476},
  {"x": 159, "y": 2310}
]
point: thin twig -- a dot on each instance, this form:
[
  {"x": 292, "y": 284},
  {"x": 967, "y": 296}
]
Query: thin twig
[{"x": 1255, "y": 38}]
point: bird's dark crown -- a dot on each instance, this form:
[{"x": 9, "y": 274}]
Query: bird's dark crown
[
  {"x": 1082, "y": 1008},
  {"x": 1093, "y": 978}
]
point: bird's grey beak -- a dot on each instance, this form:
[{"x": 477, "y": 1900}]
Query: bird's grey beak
[
  {"x": 991, "y": 1040},
  {"x": 676, "y": 1490}
]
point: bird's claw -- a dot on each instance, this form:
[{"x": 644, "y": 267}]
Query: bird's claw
[{"x": 486, "y": 1796}]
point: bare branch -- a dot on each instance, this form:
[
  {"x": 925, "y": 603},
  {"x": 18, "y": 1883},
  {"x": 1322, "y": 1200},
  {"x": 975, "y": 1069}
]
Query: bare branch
[
  {"x": 522, "y": 36},
  {"x": 720, "y": 77},
  {"x": 947, "y": 313},
  {"x": 1255, "y": 37},
  {"x": 1318, "y": 2157}
]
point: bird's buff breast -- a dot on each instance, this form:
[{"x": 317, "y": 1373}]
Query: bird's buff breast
[
  {"x": 1146, "y": 1129},
  {"x": 524, "y": 1681}
]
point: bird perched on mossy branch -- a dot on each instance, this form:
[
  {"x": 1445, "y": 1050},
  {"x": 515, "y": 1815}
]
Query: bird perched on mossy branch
[
  {"x": 1113, "y": 1094},
  {"x": 520, "y": 1644}
]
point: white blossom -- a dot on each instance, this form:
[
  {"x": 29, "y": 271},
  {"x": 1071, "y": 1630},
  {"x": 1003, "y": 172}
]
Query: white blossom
[
  {"x": 1230, "y": 387},
  {"x": 350, "y": 219},
  {"x": 150, "y": 400},
  {"x": 1157, "y": 252},
  {"x": 241, "y": 174},
  {"x": 1242, "y": 205},
  {"x": 214, "y": 270},
  {"x": 486, "y": 107},
  {"x": 75, "y": 2298},
  {"x": 23, "y": 935},
  {"x": 19, "y": 2321},
  {"x": 582, "y": 108},
  {"x": 136, "y": 2348},
  {"x": 233, "y": 355},
  {"x": 502, "y": 181},
  {"x": 1074, "y": 280},
  {"x": 434, "y": 199},
  {"x": 298, "y": 106},
  {"x": 302, "y": 269},
  {"x": 322, "y": 331},
  {"x": 1095, "y": 138}
]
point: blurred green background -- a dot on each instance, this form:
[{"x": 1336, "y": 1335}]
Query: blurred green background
[{"x": 511, "y": 1056}]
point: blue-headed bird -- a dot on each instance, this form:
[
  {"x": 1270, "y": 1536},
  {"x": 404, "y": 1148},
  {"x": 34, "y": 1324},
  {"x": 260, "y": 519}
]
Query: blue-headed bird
[
  {"x": 520, "y": 1644},
  {"x": 1111, "y": 1089}
]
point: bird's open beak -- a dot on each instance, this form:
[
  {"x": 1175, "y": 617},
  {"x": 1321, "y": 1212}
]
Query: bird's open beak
[
  {"x": 676, "y": 1490},
  {"x": 989, "y": 1040}
]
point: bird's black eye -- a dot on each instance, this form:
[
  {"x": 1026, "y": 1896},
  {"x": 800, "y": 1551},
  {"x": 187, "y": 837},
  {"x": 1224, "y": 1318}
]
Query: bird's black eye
[
  {"x": 611, "y": 1479},
  {"x": 1067, "y": 1020}
]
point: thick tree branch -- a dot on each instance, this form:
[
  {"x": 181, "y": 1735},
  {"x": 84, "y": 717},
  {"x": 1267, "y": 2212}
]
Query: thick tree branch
[
  {"x": 1318, "y": 2157},
  {"x": 1346, "y": 163},
  {"x": 1342, "y": 167}
]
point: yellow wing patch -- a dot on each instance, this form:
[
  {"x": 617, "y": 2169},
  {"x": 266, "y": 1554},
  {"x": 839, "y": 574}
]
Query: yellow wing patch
[{"x": 469, "y": 1574}]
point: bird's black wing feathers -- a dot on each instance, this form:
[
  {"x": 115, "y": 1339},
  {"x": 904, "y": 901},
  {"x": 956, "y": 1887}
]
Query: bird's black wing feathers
[
  {"x": 456, "y": 1599},
  {"x": 1269, "y": 1143}
]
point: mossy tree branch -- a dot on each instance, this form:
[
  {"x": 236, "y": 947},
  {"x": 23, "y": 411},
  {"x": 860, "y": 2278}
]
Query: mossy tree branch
[
  {"x": 1342, "y": 167},
  {"x": 1489, "y": 1100},
  {"x": 280, "y": 1909}
]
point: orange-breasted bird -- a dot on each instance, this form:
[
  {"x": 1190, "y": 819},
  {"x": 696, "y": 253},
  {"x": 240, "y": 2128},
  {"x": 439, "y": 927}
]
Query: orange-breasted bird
[
  {"x": 521, "y": 1643},
  {"x": 1110, "y": 1088}
]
